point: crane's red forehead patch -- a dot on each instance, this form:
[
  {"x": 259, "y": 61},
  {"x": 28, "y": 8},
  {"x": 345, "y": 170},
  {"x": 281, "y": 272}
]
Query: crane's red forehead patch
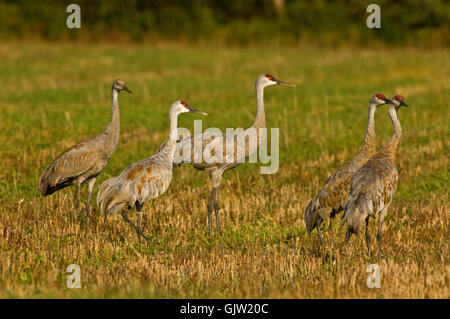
[
  {"x": 184, "y": 104},
  {"x": 399, "y": 97},
  {"x": 270, "y": 77},
  {"x": 380, "y": 96}
]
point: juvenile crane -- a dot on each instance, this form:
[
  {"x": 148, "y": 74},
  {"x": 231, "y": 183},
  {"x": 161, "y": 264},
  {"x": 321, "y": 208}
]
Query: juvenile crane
[
  {"x": 331, "y": 197},
  {"x": 203, "y": 155},
  {"x": 143, "y": 180},
  {"x": 373, "y": 185},
  {"x": 83, "y": 162}
]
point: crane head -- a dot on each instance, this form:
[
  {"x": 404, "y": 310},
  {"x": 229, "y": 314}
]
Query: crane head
[
  {"x": 267, "y": 79},
  {"x": 398, "y": 101},
  {"x": 119, "y": 85},
  {"x": 182, "y": 107},
  {"x": 380, "y": 99}
]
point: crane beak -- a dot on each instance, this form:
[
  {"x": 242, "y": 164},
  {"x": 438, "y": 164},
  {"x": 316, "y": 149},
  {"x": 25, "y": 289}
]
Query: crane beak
[
  {"x": 388, "y": 101},
  {"x": 191, "y": 109},
  {"x": 402, "y": 103},
  {"x": 279, "y": 82},
  {"x": 126, "y": 89}
]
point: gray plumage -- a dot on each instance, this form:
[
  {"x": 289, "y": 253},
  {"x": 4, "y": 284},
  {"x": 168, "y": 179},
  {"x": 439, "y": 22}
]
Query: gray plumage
[
  {"x": 83, "y": 162},
  {"x": 203, "y": 147},
  {"x": 331, "y": 197},
  {"x": 143, "y": 180},
  {"x": 373, "y": 185}
]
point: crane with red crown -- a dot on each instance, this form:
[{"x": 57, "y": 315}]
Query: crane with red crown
[
  {"x": 373, "y": 185},
  {"x": 331, "y": 197},
  {"x": 203, "y": 155}
]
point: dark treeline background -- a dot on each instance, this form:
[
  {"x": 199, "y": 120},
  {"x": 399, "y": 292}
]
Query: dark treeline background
[{"x": 414, "y": 22}]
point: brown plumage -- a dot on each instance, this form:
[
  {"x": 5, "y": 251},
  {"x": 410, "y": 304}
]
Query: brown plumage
[
  {"x": 373, "y": 185},
  {"x": 144, "y": 180},
  {"x": 83, "y": 162},
  {"x": 331, "y": 197},
  {"x": 234, "y": 147}
]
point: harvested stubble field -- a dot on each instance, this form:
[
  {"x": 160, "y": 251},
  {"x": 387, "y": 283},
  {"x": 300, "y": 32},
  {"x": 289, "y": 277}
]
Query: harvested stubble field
[{"x": 54, "y": 95}]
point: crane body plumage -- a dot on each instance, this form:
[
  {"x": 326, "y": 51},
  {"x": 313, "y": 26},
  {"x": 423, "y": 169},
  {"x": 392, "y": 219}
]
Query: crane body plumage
[
  {"x": 373, "y": 185},
  {"x": 144, "y": 180},
  {"x": 236, "y": 147},
  {"x": 331, "y": 198},
  {"x": 138, "y": 183},
  {"x": 83, "y": 162}
]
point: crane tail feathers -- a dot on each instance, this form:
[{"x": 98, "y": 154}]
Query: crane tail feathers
[
  {"x": 311, "y": 215},
  {"x": 356, "y": 211},
  {"x": 111, "y": 197},
  {"x": 43, "y": 182},
  {"x": 47, "y": 183},
  {"x": 50, "y": 181}
]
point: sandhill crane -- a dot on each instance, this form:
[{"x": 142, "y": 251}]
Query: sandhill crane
[
  {"x": 143, "y": 180},
  {"x": 83, "y": 162},
  {"x": 203, "y": 155},
  {"x": 373, "y": 185},
  {"x": 331, "y": 197}
]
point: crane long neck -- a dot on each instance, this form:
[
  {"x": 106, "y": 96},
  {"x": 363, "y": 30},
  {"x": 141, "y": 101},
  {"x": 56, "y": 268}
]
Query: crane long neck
[
  {"x": 168, "y": 149},
  {"x": 258, "y": 129},
  {"x": 173, "y": 127},
  {"x": 260, "y": 120},
  {"x": 392, "y": 145},
  {"x": 113, "y": 130},
  {"x": 369, "y": 145}
]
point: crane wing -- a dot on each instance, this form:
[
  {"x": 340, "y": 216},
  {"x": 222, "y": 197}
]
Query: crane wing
[
  {"x": 72, "y": 163},
  {"x": 199, "y": 149},
  {"x": 208, "y": 149},
  {"x": 335, "y": 190},
  {"x": 372, "y": 189},
  {"x": 377, "y": 180},
  {"x": 139, "y": 182}
]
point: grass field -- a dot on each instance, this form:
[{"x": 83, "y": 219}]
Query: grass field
[{"x": 54, "y": 95}]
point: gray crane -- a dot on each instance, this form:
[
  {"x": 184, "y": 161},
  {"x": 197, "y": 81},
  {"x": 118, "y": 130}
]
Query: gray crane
[
  {"x": 83, "y": 162},
  {"x": 373, "y": 185},
  {"x": 203, "y": 156},
  {"x": 143, "y": 180},
  {"x": 331, "y": 197}
]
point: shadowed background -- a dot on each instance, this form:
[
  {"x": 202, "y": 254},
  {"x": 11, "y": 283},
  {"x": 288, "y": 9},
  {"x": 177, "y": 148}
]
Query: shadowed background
[{"x": 414, "y": 22}]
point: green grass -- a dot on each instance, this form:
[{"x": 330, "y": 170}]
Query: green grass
[{"x": 54, "y": 95}]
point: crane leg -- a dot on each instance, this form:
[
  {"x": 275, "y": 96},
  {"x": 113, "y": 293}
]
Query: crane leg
[
  {"x": 125, "y": 216},
  {"x": 380, "y": 229},
  {"x": 216, "y": 209},
  {"x": 216, "y": 178},
  {"x": 88, "y": 208},
  {"x": 319, "y": 231},
  {"x": 348, "y": 235},
  {"x": 210, "y": 208},
  {"x": 75, "y": 201},
  {"x": 139, "y": 218},
  {"x": 367, "y": 235},
  {"x": 75, "y": 197},
  {"x": 332, "y": 215}
]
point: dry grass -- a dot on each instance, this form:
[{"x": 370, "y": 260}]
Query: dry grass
[{"x": 57, "y": 95}]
